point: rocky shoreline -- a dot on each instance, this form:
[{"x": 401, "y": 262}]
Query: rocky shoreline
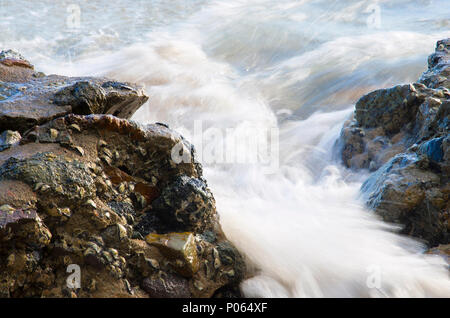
[
  {"x": 82, "y": 185},
  {"x": 401, "y": 135}
]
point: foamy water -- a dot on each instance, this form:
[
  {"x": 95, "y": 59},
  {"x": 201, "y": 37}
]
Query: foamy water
[{"x": 293, "y": 66}]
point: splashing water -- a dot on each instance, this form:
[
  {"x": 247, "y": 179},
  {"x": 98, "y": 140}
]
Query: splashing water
[{"x": 297, "y": 66}]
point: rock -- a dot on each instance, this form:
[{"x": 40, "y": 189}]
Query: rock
[
  {"x": 186, "y": 204},
  {"x": 403, "y": 192},
  {"x": 9, "y": 214},
  {"x": 94, "y": 97},
  {"x": 389, "y": 109},
  {"x": 168, "y": 286},
  {"x": 438, "y": 72},
  {"x": 51, "y": 174},
  {"x": 86, "y": 188},
  {"x": 93, "y": 209},
  {"x": 28, "y": 99},
  {"x": 401, "y": 135},
  {"x": 180, "y": 249},
  {"x": 230, "y": 256},
  {"x": 433, "y": 149},
  {"x": 84, "y": 97},
  {"x": 14, "y": 68},
  {"x": 9, "y": 138}
]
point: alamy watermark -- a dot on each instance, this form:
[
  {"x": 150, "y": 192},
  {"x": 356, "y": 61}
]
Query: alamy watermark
[
  {"x": 73, "y": 21},
  {"x": 246, "y": 144},
  {"x": 374, "y": 277},
  {"x": 73, "y": 281}
]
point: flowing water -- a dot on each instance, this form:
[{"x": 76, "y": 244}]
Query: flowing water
[{"x": 237, "y": 67}]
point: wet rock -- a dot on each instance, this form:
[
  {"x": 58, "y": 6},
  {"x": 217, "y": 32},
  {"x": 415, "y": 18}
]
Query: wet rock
[
  {"x": 401, "y": 135},
  {"x": 94, "y": 97},
  {"x": 389, "y": 108},
  {"x": 85, "y": 189},
  {"x": 95, "y": 212},
  {"x": 438, "y": 72},
  {"x": 180, "y": 249},
  {"x": 47, "y": 172},
  {"x": 186, "y": 205},
  {"x": 402, "y": 192},
  {"x": 433, "y": 149},
  {"x": 229, "y": 255},
  {"x": 84, "y": 97}
]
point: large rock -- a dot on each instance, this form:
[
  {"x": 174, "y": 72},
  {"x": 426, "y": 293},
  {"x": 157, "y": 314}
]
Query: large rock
[
  {"x": 28, "y": 98},
  {"x": 401, "y": 134},
  {"x": 100, "y": 192},
  {"x": 91, "y": 183}
]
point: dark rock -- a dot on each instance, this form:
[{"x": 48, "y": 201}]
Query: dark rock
[
  {"x": 402, "y": 135},
  {"x": 389, "y": 108},
  {"x": 122, "y": 208},
  {"x": 186, "y": 204},
  {"x": 84, "y": 97},
  {"x": 438, "y": 73},
  {"x": 167, "y": 286},
  {"x": 229, "y": 255},
  {"x": 433, "y": 149},
  {"x": 401, "y": 191},
  {"x": 93, "y": 97}
]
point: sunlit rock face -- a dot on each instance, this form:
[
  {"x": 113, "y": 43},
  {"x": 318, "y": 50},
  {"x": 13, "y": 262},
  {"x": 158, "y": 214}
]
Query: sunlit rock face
[
  {"x": 103, "y": 193},
  {"x": 402, "y": 135}
]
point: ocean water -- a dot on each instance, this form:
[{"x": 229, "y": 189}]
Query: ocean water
[{"x": 270, "y": 81}]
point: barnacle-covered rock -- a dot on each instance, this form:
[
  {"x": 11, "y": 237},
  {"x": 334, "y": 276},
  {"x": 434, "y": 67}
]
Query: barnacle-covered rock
[
  {"x": 186, "y": 204},
  {"x": 73, "y": 207},
  {"x": 82, "y": 190}
]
